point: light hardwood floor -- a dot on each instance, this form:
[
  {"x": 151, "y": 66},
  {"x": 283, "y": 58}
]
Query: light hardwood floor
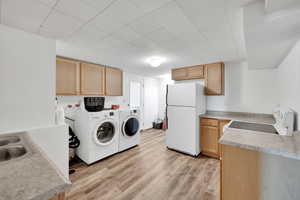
[{"x": 147, "y": 172}]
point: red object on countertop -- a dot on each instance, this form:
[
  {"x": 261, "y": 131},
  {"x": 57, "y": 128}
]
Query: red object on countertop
[{"x": 115, "y": 107}]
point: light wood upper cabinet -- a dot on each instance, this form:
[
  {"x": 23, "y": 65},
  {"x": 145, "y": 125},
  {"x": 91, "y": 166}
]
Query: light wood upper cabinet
[
  {"x": 67, "y": 77},
  {"x": 195, "y": 72},
  {"x": 214, "y": 81},
  {"x": 92, "y": 79},
  {"x": 212, "y": 73},
  {"x": 188, "y": 73},
  {"x": 82, "y": 78},
  {"x": 179, "y": 74},
  {"x": 114, "y": 81}
]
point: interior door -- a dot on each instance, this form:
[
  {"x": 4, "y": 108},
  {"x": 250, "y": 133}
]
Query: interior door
[{"x": 135, "y": 94}]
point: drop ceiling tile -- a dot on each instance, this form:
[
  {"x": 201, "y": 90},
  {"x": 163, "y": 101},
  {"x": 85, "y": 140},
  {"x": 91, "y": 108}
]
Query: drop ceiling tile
[
  {"x": 186, "y": 31},
  {"x": 160, "y": 35},
  {"x": 26, "y": 14},
  {"x": 48, "y": 2},
  {"x": 143, "y": 43},
  {"x": 77, "y": 8},
  {"x": 112, "y": 42},
  {"x": 117, "y": 15},
  {"x": 87, "y": 36},
  {"x": 125, "y": 11},
  {"x": 205, "y": 14},
  {"x": 100, "y": 5},
  {"x": 127, "y": 34},
  {"x": 105, "y": 22},
  {"x": 147, "y": 5},
  {"x": 147, "y": 23},
  {"x": 60, "y": 25}
]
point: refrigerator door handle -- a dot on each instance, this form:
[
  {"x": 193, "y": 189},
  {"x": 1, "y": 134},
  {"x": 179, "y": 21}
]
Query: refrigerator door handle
[{"x": 166, "y": 106}]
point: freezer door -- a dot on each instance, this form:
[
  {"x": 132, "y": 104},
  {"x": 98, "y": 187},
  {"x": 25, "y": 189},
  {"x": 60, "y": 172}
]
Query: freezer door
[
  {"x": 183, "y": 131},
  {"x": 182, "y": 94}
]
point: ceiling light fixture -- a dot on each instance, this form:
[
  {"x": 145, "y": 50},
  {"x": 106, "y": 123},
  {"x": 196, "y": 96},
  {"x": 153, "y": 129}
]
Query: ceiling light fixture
[{"x": 155, "y": 61}]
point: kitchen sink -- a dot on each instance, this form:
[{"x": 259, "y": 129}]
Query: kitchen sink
[
  {"x": 11, "y": 147},
  {"x": 267, "y": 128},
  {"x": 9, "y": 140},
  {"x": 11, "y": 153}
]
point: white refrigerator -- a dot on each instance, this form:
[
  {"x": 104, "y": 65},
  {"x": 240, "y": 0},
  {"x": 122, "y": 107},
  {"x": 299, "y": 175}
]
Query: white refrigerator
[{"x": 185, "y": 102}]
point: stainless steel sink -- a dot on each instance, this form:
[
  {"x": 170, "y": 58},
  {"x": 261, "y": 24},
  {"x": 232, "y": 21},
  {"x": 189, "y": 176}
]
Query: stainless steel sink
[
  {"x": 11, "y": 147},
  {"x": 4, "y": 155},
  {"x": 253, "y": 127},
  {"x": 8, "y": 140}
]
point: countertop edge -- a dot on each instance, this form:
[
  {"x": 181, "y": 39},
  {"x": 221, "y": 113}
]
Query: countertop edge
[
  {"x": 53, "y": 192},
  {"x": 259, "y": 149}
]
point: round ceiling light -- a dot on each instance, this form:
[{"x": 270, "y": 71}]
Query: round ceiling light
[{"x": 155, "y": 61}]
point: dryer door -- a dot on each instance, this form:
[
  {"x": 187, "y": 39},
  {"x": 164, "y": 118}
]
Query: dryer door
[
  {"x": 105, "y": 133},
  {"x": 131, "y": 126}
]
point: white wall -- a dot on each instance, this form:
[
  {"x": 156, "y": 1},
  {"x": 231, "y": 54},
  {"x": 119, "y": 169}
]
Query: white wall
[
  {"x": 149, "y": 97},
  {"x": 27, "y": 80},
  {"x": 164, "y": 81},
  {"x": 151, "y": 101},
  {"x": 247, "y": 90},
  {"x": 289, "y": 81},
  {"x": 27, "y": 87},
  {"x": 53, "y": 141}
]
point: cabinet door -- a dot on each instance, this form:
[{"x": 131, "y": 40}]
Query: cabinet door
[
  {"x": 209, "y": 140},
  {"x": 92, "y": 79},
  {"x": 59, "y": 197},
  {"x": 221, "y": 127},
  {"x": 114, "y": 81},
  {"x": 222, "y": 124},
  {"x": 241, "y": 174},
  {"x": 196, "y": 72},
  {"x": 67, "y": 77},
  {"x": 179, "y": 74},
  {"x": 214, "y": 82}
]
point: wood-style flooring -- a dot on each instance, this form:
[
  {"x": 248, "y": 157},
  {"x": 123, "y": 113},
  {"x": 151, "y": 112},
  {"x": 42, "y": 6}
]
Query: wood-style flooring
[{"x": 149, "y": 171}]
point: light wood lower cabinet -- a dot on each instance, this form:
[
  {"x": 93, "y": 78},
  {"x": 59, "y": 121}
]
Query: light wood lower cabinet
[
  {"x": 210, "y": 132},
  {"x": 222, "y": 123},
  {"x": 209, "y": 141},
  {"x": 67, "y": 77},
  {"x": 92, "y": 79},
  {"x": 59, "y": 197},
  {"x": 114, "y": 81},
  {"x": 240, "y": 174}
]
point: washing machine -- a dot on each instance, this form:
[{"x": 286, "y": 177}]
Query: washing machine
[
  {"x": 130, "y": 125},
  {"x": 98, "y": 132}
]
